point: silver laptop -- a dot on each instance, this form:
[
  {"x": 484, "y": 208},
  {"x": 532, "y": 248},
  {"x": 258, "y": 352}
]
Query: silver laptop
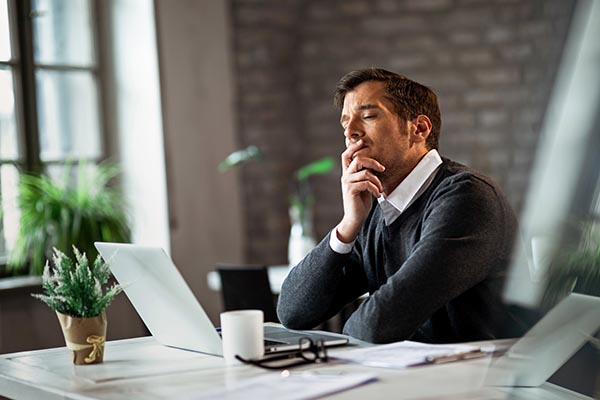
[
  {"x": 549, "y": 344},
  {"x": 169, "y": 309}
]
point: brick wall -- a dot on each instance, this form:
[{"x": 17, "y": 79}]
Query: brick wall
[{"x": 491, "y": 62}]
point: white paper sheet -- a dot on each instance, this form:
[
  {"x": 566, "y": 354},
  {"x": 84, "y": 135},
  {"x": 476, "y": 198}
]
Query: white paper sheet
[
  {"x": 405, "y": 354},
  {"x": 295, "y": 386}
]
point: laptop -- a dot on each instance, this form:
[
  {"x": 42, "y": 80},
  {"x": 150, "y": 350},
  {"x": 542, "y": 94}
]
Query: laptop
[
  {"x": 549, "y": 344},
  {"x": 169, "y": 309}
]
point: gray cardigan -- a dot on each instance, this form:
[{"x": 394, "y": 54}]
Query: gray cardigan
[{"x": 434, "y": 275}]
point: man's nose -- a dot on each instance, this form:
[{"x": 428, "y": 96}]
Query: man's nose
[{"x": 353, "y": 132}]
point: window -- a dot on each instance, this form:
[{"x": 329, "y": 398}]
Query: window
[{"x": 50, "y": 105}]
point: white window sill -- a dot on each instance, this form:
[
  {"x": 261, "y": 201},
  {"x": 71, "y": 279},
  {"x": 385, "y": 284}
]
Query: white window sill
[{"x": 17, "y": 282}]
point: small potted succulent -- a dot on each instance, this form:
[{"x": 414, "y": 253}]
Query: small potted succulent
[{"x": 77, "y": 292}]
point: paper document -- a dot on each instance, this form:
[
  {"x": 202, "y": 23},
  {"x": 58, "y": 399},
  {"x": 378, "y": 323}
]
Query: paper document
[
  {"x": 405, "y": 354},
  {"x": 295, "y": 386}
]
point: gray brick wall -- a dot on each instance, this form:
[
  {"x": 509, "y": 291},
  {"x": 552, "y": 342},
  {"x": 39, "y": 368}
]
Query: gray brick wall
[{"x": 492, "y": 63}]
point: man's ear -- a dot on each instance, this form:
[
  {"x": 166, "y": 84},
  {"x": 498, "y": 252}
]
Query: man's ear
[{"x": 421, "y": 128}]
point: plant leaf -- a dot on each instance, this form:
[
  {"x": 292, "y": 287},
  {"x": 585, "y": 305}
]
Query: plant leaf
[
  {"x": 318, "y": 167},
  {"x": 240, "y": 157},
  {"x": 76, "y": 288},
  {"x": 60, "y": 215}
]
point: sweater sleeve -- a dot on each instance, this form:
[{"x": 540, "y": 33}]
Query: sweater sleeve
[
  {"x": 319, "y": 286},
  {"x": 463, "y": 235}
]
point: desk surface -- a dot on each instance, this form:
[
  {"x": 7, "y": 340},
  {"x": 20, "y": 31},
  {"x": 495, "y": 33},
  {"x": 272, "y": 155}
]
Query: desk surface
[{"x": 142, "y": 368}]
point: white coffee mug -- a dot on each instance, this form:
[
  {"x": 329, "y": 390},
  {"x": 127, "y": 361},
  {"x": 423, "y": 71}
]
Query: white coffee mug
[{"x": 242, "y": 333}]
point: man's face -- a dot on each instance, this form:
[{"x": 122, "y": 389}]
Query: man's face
[{"x": 369, "y": 115}]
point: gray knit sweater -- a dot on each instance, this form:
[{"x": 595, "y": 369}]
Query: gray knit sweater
[{"x": 434, "y": 275}]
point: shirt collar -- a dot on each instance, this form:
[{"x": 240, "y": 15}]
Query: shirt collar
[{"x": 417, "y": 181}]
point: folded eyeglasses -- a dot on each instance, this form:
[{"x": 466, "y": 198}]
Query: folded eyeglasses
[{"x": 309, "y": 352}]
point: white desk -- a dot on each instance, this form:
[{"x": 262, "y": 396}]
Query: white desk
[{"x": 143, "y": 369}]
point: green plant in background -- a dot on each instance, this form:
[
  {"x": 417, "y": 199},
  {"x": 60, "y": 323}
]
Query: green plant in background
[
  {"x": 63, "y": 215},
  {"x": 76, "y": 288},
  {"x": 576, "y": 268},
  {"x": 240, "y": 157},
  {"x": 302, "y": 198}
]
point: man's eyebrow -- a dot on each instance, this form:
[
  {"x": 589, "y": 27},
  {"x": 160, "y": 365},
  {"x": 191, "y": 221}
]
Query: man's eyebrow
[
  {"x": 362, "y": 107},
  {"x": 367, "y": 106}
]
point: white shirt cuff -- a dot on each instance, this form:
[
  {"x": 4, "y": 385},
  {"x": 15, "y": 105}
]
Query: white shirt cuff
[{"x": 337, "y": 245}]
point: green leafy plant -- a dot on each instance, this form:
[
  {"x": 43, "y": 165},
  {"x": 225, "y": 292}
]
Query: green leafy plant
[
  {"x": 240, "y": 157},
  {"x": 576, "y": 267},
  {"x": 63, "y": 214},
  {"x": 301, "y": 197},
  {"x": 76, "y": 288}
]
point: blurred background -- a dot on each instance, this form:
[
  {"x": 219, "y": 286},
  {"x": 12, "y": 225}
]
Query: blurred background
[{"x": 166, "y": 89}]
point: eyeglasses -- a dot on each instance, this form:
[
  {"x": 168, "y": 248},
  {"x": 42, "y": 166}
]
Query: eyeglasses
[{"x": 310, "y": 352}]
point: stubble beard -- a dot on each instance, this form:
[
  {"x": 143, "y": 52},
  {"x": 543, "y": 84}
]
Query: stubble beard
[{"x": 392, "y": 176}]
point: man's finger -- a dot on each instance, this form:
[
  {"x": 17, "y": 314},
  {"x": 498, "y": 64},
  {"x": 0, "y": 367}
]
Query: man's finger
[
  {"x": 359, "y": 163},
  {"x": 348, "y": 154},
  {"x": 365, "y": 186},
  {"x": 364, "y": 175}
]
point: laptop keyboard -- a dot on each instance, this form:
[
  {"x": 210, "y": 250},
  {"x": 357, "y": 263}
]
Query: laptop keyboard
[
  {"x": 267, "y": 342},
  {"x": 272, "y": 342}
]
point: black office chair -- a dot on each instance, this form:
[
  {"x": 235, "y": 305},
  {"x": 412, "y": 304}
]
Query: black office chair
[{"x": 247, "y": 287}]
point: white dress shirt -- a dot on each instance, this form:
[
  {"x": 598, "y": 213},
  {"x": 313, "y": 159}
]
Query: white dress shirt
[{"x": 417, "y": 181}]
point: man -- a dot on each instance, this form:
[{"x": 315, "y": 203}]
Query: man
[{"x": 431, "y": 251}]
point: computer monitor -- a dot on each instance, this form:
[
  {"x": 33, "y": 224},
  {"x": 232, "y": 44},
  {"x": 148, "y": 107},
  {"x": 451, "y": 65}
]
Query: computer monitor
[
  {"x": 564, "y": 182},
  {"x": 563, "y": 193}
]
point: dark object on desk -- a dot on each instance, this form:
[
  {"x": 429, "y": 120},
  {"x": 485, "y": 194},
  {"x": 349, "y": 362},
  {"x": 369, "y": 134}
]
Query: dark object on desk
[
  {"x": 309, "y": 352},
  {"x": 247, "y": 287}
]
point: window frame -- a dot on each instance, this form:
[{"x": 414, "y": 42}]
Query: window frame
[{"x": 24, "y": 68}]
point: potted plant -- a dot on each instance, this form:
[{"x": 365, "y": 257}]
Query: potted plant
[
  {"x": 302, "y": 199},
  {"x": 61, "y": 214},
  {"x": 575, "y": 267},
  {"x": 76, "y": 292}
]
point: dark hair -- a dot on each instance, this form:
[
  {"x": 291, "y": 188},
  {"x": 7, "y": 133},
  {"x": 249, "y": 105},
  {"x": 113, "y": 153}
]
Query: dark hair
[{"x": 410, "y": 98}]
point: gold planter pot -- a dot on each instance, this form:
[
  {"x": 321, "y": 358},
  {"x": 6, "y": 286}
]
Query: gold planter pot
[{"x": 85, "y": 337}]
